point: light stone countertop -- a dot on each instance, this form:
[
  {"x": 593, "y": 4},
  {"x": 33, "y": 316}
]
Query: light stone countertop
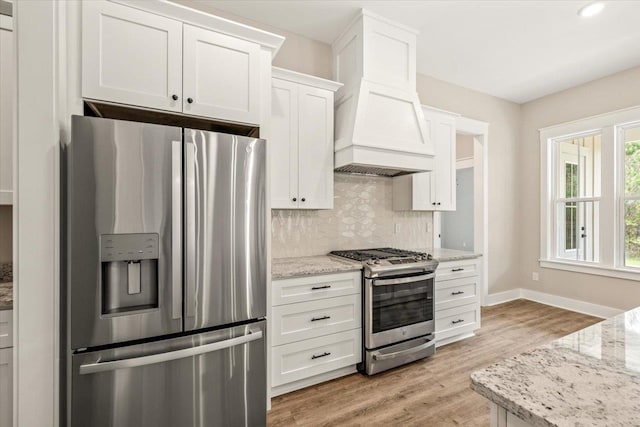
[
  {"x": 282, "y": 268},
  {"x": 6, "y": 296},
  {"x": 588, "y": 378},
  {"x": 444, "y": 255}
]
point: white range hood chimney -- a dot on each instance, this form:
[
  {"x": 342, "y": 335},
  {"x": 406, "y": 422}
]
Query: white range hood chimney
[{"x": 379, "y": 125}]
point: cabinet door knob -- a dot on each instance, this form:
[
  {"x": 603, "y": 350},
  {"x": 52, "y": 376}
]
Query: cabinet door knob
[
  {"x": 434, "y": 203},
  {"x": 190, "y": 100},
  {"x": 174, "y": 97},
  {"x": 303, "y": 199},
  {"x": 294, "y": 199},
  {"x": 438, "y": 203}
]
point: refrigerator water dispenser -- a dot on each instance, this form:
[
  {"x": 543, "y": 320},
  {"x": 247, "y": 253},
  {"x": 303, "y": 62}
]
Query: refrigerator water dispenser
[{"x": 129, "y": 272}]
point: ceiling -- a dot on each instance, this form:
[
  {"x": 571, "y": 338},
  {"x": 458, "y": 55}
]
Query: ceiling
[{"x": 517, "y": 50}]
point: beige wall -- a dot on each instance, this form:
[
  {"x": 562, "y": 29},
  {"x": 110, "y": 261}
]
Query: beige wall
[
  {"x": 504, "y": 128},
  {"x": 298, "y": 53},
  {"x": 611, "y": 93},
  {"x": 464, "y": 146},
  {"x": 6, "y": 233}
]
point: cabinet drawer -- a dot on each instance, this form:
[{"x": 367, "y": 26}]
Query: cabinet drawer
[
  {"x": 295, "y": 322},
  {"x": 457, "y": 320},
  {"x": 304, "y": 359},
  {"x": 6, "y": 328},
  {"x": 456, "y": 292},
  {"x": 456, "y": 269},
  {"x": 313, "y": 288}
]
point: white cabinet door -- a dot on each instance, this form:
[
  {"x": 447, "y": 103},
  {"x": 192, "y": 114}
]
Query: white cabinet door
[
  {"x": 444, "y": 184},
  {"x": 221, "y": 76},
  {"x": 315, "y": 148},
  {"x": 131, "y": 57},
  {"x": 7, "y": 111},
  {"x": 6, "y": 387},
  {"x": 283, "y": 145}
]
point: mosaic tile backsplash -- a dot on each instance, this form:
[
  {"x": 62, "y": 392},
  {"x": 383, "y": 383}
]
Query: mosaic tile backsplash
[{"x": 362, "y": 217}]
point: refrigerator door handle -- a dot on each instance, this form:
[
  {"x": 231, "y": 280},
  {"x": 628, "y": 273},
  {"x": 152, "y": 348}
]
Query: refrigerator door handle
[
  {"x": 93, "y": 368},
  {"x": 190, "y": 227},
  {"x": 176, "y": 229}
]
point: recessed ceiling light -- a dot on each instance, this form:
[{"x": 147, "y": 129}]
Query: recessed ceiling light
[{"x": 591, "y": 9}]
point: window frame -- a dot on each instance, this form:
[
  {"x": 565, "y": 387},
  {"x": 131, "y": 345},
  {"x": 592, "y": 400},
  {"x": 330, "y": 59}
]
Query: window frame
[{"x": 611, "y": 225}]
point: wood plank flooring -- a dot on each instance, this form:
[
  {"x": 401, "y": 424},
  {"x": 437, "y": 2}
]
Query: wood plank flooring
[{"x": 434, "y": 391}]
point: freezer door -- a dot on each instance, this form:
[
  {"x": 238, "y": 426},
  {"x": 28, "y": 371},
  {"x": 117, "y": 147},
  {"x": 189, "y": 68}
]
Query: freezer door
[
  {"x": 205, "y": 380},
  {"x": 124, "y": 227},
  {"x": 225, "y": 263}
]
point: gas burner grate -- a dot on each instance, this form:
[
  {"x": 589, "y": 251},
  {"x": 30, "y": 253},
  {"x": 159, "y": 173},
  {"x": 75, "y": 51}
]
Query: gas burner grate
[{"x": 376, "y": 253}]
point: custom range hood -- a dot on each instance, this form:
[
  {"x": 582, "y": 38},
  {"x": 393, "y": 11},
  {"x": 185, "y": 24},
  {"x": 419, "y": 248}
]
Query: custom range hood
[{"x": 379, "y": 125}]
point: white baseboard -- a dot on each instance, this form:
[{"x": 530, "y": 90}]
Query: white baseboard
[
  {"x": 591, "y": 309},
  {"x": 502, "y": 297}
]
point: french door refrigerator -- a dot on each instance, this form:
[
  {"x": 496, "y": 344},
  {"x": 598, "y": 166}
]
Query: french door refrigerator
[{"x": 165, "y": 294}]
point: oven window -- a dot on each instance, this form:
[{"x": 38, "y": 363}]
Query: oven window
[{"x": 395, "y": 306}]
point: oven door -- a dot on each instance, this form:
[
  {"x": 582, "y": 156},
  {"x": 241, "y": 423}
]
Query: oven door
[{"x": 398, "y": 308}]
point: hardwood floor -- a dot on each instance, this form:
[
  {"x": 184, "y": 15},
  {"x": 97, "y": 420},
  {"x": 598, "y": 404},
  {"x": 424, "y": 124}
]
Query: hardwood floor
[{"x": 434, "y": 391}]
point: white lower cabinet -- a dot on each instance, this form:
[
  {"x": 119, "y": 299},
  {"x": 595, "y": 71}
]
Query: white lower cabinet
[
  {"x": 6, "y": 369},
  {"x": 316, "y": 329},
  {"x": 457, "y": 295}
]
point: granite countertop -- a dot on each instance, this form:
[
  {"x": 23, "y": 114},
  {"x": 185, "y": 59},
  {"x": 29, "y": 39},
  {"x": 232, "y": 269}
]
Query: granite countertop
[
  {"x": 6, "y": 296},
  {"x": 444, "y": 255},
  {"x": 6, "y": 286},
  {"x": 588, "y": 378},
  {"x": 282, "y": 268}
]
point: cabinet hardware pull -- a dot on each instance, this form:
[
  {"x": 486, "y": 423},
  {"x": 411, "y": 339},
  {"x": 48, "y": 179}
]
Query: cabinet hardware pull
[
  {"x": 174, "y": 97},
  {"x": 457, "y": 293},
  {"x": 320, "y": 287},
  {"x": 303, "y": 199},
  {"x": 326, "y": 353},
  {"x": 434, "y": 203},
  {"x": 458, "y": 269},
  {"x": 294, "y": 199},
  {"x": 315, "y": 319},
  {"x": 190, "y": 100},
  {"x": 438, "y": 203},
  {"x": 457, "y": 321}
]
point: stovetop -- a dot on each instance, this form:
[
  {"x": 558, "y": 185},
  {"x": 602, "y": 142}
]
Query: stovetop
[
  {"x": 379, "y": 262},
  {"x": 379, "y": 253}
]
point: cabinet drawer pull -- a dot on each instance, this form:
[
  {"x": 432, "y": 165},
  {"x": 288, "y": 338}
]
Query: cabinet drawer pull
[
  {"x": 315, "y": 288},
  {"x": 315, "y": 319},
  {"x": 458, "y": 269},
  {"x": 326, "y": 353},
  {"x": 457, "y": 293},
  {"x": 457, "y": 321}
]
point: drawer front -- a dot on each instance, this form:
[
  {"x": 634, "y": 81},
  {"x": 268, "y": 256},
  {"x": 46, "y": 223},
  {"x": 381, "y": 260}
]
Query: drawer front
[
  {"x": 304, "y": 320},
  {"x": 449, "y": 322},
  {"x": 304, "y": 359},
  {"x": 456, "y": 292},
  {"x": 6, "y": 328},
  {"x": 313, "y": 288},
  {"x": 456, "y": 269}
]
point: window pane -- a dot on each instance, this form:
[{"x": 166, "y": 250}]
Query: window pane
[
  {"x": 632, "y": 160},
  {"x": 578, "y": 231},
  {"x": 632, "y": 233},
  {"x": 579, "y": 167}
]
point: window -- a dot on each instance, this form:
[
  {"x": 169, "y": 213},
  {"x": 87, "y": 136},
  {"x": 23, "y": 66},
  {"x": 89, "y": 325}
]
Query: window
[{"x": 590, "y": 195}]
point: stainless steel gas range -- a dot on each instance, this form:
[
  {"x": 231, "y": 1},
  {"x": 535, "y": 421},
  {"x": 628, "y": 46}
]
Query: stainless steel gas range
[{"x": 398, "y": 306}]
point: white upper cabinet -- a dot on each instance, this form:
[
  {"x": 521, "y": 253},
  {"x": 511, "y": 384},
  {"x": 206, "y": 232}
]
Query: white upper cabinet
[
  {"x": 301, "y": 145},
  {"x": 131, "y": 57},
  {"x": 221, "y": 76},
  {"x": 435, "y": 190},
  {"x": 164, "y": 56},
  {"x": 7, "y": 109}
]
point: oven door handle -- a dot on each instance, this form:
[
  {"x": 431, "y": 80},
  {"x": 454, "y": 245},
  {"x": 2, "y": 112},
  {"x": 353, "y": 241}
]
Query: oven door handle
[
  {"x": 404, "y": 352},
  {"x": 402, "y": 280}
]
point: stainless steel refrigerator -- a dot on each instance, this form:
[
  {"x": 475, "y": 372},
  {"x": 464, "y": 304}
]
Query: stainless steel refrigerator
[{"x": 165, "y": 277}]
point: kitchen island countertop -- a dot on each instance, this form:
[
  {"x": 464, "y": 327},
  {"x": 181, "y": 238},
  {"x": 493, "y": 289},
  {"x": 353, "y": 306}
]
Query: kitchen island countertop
[
  {"x": 588, "y": 378},
  {"x": 6, "y": 296}
]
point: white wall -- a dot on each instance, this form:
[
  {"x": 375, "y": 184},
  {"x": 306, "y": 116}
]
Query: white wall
[{"x": 611, "y": 93}]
